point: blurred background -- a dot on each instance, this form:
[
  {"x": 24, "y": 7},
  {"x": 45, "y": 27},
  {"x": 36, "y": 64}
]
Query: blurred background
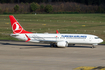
[{"x": 66, "y": 16}]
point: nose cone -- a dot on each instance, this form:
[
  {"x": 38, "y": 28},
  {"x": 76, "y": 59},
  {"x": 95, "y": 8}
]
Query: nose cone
[{"x": 100, "y": 40}]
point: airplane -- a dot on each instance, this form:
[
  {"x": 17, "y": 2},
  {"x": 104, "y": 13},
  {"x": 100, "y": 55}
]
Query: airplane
[{"x": 54, "y": 39}]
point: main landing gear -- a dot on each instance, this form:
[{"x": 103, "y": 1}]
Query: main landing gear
[{"x": 53, "y": 45}]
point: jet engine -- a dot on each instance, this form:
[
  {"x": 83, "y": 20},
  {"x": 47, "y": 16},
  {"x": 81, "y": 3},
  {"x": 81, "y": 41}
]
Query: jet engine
[{"x": 62, "y": 44}]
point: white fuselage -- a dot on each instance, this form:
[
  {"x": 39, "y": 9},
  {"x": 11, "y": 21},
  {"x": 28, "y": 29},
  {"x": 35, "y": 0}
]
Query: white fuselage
[{"x": 54, "y": 38}]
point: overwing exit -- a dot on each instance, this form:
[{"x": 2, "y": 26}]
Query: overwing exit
[{"x": 55, "y": 40}]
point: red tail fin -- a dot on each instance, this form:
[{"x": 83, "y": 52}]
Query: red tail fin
[{"x": 16, "y": 27}]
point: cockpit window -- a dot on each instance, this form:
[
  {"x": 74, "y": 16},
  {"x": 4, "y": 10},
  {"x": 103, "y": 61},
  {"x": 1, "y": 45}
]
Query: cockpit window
[{"x": 96, "y": 37}]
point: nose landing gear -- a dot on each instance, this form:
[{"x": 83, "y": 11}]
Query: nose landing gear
[{"x": 93, "y": 46}]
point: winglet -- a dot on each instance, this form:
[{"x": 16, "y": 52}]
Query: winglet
[
  {"x": 57, "y": 32},
  {"x": 28, "y": 39}
]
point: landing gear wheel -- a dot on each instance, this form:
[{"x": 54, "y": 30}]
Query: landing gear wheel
[
  {"x": 73, "y": 44},
  {"x": 93, "y": 46},
  {"x": 53, "y": 45}
]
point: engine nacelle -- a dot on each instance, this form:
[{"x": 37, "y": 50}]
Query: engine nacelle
[{"x": 62, "y": 44}]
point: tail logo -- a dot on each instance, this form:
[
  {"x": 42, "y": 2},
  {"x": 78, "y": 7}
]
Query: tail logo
[{"x": 16, "y": 28}]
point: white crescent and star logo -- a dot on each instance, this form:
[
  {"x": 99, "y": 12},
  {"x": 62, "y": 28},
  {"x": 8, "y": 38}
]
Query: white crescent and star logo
[{"x": 16, "y": 27}]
